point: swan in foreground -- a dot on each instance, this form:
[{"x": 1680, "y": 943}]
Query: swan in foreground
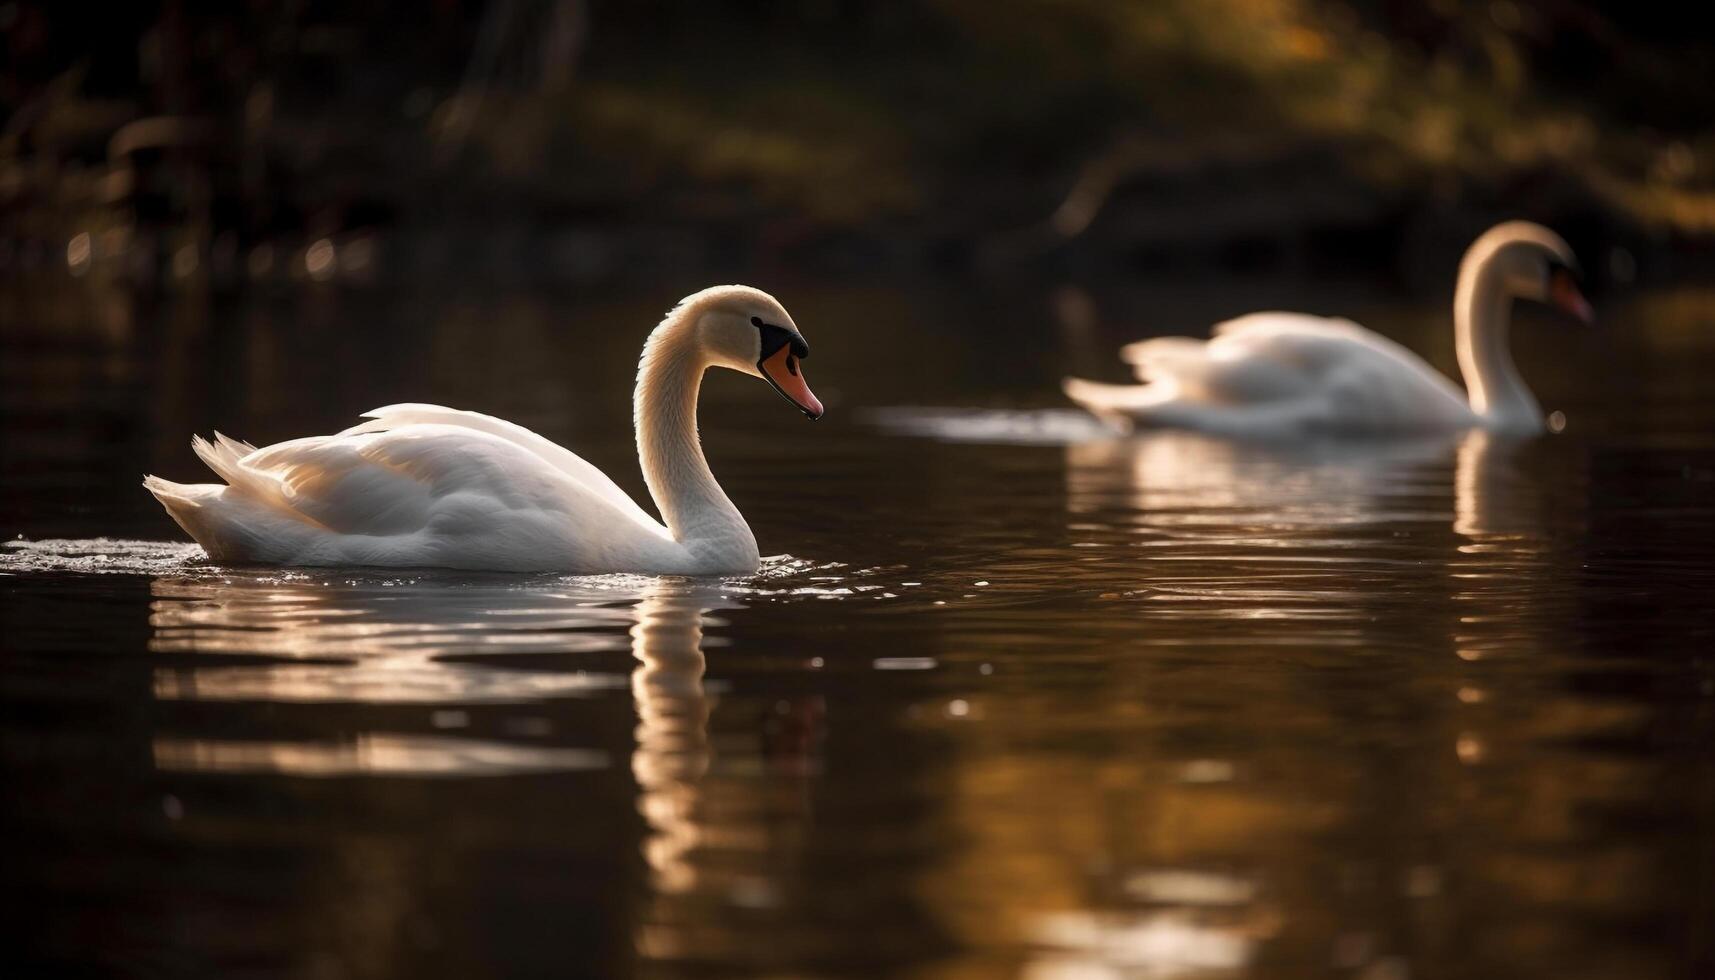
[
  {"x": 422, "y": 485},
  {"x": 1286, "y": 374}
]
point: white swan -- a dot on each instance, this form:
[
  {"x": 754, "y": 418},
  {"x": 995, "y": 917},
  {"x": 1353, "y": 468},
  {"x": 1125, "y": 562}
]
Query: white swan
[
  {"x": 1286, "y": 374},
  {"x": 421, "y": 485}
]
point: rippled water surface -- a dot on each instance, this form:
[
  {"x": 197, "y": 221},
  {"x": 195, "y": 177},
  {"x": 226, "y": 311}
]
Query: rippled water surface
[{"x": 1017, "y": 695}]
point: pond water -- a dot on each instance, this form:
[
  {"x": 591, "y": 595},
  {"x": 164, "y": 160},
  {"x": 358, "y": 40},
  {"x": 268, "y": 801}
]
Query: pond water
[{"x": 1015, "y": 696}]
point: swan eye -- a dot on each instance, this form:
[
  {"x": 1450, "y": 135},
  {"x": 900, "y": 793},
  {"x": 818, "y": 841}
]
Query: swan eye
[
  {"x": 756, "y": 322},
  {"x": 1557, "y": 268},
  {"x": 774, "y": 338}
]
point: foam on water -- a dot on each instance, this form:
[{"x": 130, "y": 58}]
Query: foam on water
[
  {"x": 1028, "y": 427},
  {"x": 100, "y": 556}
]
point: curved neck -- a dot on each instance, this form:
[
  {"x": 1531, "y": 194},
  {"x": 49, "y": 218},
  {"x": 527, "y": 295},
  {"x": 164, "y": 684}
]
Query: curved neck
[
  {"x": 664, "y": 408},
  {"x": 1482, "y": 308}
]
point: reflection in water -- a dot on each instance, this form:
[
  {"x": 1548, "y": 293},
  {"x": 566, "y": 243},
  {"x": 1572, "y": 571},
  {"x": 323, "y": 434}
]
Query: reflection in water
[
  {"x": 1079, "y": 946},
  {"x": 372, "y": 755},
  {"x": 1258, "y": 533},
  {"x": 1136, "y": 708},
  {"x": 1175, "y": 482},
  {"x": 725, "y": 827},
  {"x": 673, "y": 752},
  {"x": 378, "y": 641},
  {"x": 721, "y": 827},
  {"x": 368, "y": 640},
  {"x": 1230, "y": 550}
]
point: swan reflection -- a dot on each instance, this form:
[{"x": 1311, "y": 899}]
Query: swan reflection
[
  {"x": 1226, "y": 540},
  {"x": 724, "y": 815},
  {"x": 1177, "y": 482},
  {"x": 673, "y": 710},
  {"x": 371, "y": 754},
  {"x": 1174, "y": 483},
  {"x": 368, "y": 641},
  {"x": 726, "y": 827}
]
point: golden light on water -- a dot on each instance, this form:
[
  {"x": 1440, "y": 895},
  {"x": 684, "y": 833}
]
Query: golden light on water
[
  {"x": 346, "y": 645},
  {"x": 371, "y": 754},
  {"x": 1075, "y": 946},
  {"x": 1469, "y": 748}
]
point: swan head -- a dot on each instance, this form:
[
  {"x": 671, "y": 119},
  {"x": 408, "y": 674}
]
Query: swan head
[
  {"x": 1533, "y": 264},
  {"x": 746, "y": 330}
]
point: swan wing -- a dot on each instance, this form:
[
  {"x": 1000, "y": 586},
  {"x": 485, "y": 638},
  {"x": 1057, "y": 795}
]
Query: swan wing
[
  {"x": 1347, "y": 377},
  {"x": 1262, "y": 357},
  {"x": 416, "y": 495},
  {"x": 396, "y": 480},
  {"x": 1281, "y": 373},
  {"x": 557, "y": 456}
]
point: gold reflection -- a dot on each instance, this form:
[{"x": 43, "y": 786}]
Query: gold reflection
[
  {"x": 1491, "y": 495},
  {"x": 1257, "y": 533},
  {"x": 1153, "y": 944},
  {"x": 370, "y": 754},
  {"x": 726, "y": 827},
  {"x": 1184, "y": 480},
  {"x": 672, "y": 733},
  {"x": 725, "y": 812},
  {"x": 1458, "y": 777},
  {"x": 373, "y": 641}
]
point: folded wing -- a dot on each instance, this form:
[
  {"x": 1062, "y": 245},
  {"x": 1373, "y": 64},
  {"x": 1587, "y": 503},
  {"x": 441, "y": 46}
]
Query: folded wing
[
  {"x": 561, "y": 458},
  {"x": 1269, "y": 373},
  {"x": 469, "y": 492}
]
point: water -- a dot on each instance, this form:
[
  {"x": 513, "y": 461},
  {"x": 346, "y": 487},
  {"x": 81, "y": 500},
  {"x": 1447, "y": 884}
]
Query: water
[{"x": 1015, "y": 696}]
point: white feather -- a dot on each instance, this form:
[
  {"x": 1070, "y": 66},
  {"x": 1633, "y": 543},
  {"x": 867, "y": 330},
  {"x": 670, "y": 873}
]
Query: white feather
[
  {"x": 1292, "y": 374},
  {"x": 424, "y": 485}
]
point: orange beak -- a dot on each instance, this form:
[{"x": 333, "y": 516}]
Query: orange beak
[
  {"x": 787, "y": 376},
  {"x": 1564, "y": 294}
]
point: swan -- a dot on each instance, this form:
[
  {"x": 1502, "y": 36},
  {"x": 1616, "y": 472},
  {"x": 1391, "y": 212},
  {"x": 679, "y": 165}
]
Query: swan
[
  {"x": 1292, "y": 374},
  {"x": 426, "y": 486}
]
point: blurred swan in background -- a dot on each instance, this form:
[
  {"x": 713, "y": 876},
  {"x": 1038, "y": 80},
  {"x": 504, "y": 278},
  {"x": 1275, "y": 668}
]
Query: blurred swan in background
[
  {"x": 422, "y": 485},
  {"x": 1290, "y": 374}
]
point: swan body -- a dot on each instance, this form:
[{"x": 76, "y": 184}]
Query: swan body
[
  {"x": 427, "y": 486},
  {"x": 1293, "y": 374}
]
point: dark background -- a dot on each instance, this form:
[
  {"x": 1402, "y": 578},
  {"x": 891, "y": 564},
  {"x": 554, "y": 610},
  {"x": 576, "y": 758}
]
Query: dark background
[{"x": 557, "y": 141}]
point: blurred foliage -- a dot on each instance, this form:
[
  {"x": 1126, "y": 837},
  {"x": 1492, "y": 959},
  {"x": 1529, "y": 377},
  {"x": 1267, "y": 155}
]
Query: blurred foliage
[{"x": 958, "y": 117}]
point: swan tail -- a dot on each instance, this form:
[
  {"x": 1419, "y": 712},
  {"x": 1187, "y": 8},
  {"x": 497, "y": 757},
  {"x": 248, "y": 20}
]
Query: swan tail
[
  {"x": 221, "y": 456},
  {"x": 182, "y": 501},
  {"x": 225, "y": 456},
  {"x": 232, "y": 525},
  {"x": 240, "y": 520},
  {"x": 1125, "y": 403},
  {"x": 195, "y": 507},
  {"x": 1164, "y": 358}
]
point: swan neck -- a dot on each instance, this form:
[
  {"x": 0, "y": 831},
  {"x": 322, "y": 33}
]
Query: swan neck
[
  {"x": 692, "y": 504},
  {"x": 1482, "y": 311}
]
